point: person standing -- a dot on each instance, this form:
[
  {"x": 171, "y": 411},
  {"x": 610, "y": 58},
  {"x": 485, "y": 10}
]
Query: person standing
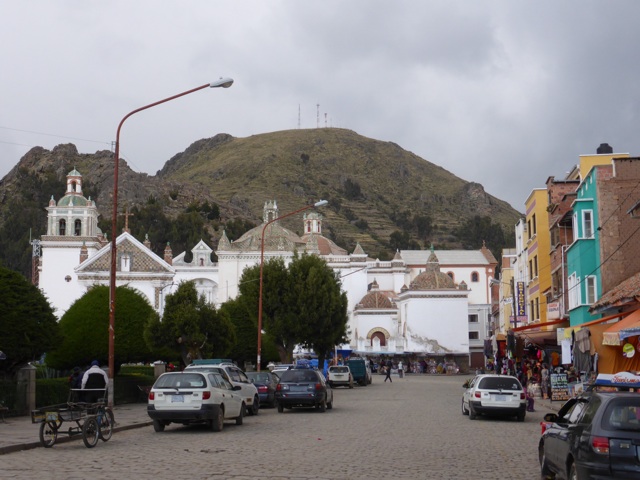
[
  {"x": 544, "y": 381},
  {"x": 388, "y": 377},
  {"x": 94, "y": 380}
]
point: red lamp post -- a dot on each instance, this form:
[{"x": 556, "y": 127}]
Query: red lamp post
[
  {"x": 224, "y": 83},
  {"x": 321, "y": 203}
]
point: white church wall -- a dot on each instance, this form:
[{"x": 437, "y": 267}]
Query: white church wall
[
  {"x": 58, "y": 280},
  {"x": 437, "y": 325}
]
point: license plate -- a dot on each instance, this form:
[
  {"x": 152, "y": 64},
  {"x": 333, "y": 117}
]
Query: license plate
[
  {"x": 501, "y": 398},
  {"x": 177, "y": 398},
  {"x": 51, "y": 416}
]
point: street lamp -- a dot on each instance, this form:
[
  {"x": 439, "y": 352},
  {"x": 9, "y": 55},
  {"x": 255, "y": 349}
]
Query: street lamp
[
  {"x": 321, "y": 203},
  {"x": 222, "y": 82}
]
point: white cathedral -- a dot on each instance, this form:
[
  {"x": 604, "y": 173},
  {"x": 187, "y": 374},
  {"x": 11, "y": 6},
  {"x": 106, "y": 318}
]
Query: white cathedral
[{"x": 421, "y": 303}]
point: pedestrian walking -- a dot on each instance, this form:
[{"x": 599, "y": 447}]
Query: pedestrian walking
[
  {"x": 400, "y": 370},
  {"x": 388, "y": 377}
]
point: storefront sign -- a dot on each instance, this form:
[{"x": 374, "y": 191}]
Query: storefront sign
[
  {"x": 553, "y": 311},
  {"x": 521, "y": 306},
  {"x": 559, "y": 386},
  {"x": 621, "y": 379}
]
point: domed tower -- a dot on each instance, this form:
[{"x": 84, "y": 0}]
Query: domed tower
[
  {"x": 73, "y": 215},
  {"x": 432, "y": 278},
  {"x": 72, "y": 237},
  {"x": 316, "y": 242}
]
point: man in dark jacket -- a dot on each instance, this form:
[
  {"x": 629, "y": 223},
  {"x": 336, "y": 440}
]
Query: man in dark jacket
[{"x": 389, "y": 365}]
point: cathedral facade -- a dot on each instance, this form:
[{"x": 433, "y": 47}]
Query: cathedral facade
[{"x": 426, "y": 303}]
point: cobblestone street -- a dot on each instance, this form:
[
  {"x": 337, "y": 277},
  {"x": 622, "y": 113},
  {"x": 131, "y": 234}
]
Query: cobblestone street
[{"x": 410, "y": 429}]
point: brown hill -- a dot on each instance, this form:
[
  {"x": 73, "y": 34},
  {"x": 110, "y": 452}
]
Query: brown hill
[{"x": 374, "y": 188}]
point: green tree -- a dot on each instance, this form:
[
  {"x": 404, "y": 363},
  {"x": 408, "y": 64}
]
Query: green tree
[
  {"x": 277, "y": 318},
  {"x": 29, "y": 326},
  {"x": 191, "y": 327},
  {"x": 85, "y": 327},
  {"x": 318, "y": 304},
  {"x": 244, "y": 319}
]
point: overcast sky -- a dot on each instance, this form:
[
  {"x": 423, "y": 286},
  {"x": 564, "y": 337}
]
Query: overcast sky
[{"x": 503, "y": 93}]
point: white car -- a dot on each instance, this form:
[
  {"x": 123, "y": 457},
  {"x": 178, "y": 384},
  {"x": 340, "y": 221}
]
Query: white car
[
  {"x": 233, "y": 375},
  {"x": 494, "y": 395},
  {"x": 338, "y": 375},
  {"x": 194, "y": 397}
]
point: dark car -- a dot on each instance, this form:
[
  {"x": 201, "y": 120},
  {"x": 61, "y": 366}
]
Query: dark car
[
  {"x": 303, "y": 387},
  {"x": 595, "y": 435},
  {"x": 266, "y": 383}
]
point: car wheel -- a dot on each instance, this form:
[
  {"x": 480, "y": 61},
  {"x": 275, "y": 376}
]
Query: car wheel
[
  {"x": 330, "y": 404},
  {"x": 464, "y": 410},
  {"x": 280, "y": 408},
  {"x": 158, "y": 426},
  {"x": 322, "y": 406},
  {"x": 544, "y": 467},
  {"x": 216, "y": 424},
  {"x": 240, "y": 418},
  {"x": 573, "y": 473},
  {"x": 521, "y": 416},
  {"x": 472, "y": 413},
  {"x": 255, "y": 407}
]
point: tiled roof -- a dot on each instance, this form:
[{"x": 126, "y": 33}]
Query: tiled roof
[{"x": 626, "y": 292}]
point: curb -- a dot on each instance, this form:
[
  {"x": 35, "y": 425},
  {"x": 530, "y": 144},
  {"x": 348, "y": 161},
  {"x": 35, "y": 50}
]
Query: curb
[{"x": 18, "y": 447}]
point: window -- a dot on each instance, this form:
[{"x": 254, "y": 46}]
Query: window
[
  {"x": 474, "y": 276},
  {"x": 591, "y": 289},
  {"x": 537, "y": 308},
  {"x": 473, "y": 336},
  {"x": 529, "y": 235},
  {"x": 451, "y": 276},
  {"x": 533, "y": 224},
  {"x": 587, "y": 223},
  {"x": 62, "y": 227},
  {"x": 535, "y": 266},
  {"x": 574, "y": 226},
  {"x": 473, "y": 318},
  {"x": 77, "y": 228},
  {"x": 530, "y": 270},
  {"x": 574, "y": 291}
]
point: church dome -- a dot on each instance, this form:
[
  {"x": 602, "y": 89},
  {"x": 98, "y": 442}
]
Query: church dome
[
  {"x": 276, "y": 237},
  {"x": 73, "y": 200},
  {"x": 432, "y": 278},
  {"x": 375, "y": 299}
]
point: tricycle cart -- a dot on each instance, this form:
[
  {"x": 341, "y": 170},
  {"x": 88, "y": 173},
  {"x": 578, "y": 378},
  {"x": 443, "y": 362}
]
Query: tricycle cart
[{"x": 92, "y": 418}]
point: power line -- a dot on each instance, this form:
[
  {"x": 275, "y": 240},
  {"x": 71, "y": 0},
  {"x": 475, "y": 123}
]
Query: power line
[{"x": 53, "y": 135}]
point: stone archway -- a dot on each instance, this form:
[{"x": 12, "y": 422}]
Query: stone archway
[{"x": 378, "y": 337}]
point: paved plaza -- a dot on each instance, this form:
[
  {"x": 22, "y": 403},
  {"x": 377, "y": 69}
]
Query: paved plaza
[{"x": 409, "y": 429}]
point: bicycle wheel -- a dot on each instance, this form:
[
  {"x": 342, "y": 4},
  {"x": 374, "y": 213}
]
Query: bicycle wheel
[
  {"x": 90, "y": 432},
  {"x": 48, "y": 434},
  {"x": 107, "y": 422}
]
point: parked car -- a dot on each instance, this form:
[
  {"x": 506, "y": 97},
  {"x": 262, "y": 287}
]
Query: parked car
[
  {"x": 303, "y": 387},
  {"x": 339, "y": 375},
  {"x": 233, "y": 375},
  {"x": 266, "y": 383},
  {"x": 194, "y": 397},
  {"x": 500, "y": 395},
  {"x": 594, "y": 435}
]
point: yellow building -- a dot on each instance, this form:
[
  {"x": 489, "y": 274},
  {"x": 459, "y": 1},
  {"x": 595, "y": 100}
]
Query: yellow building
[{"x": 538, "y": 245}]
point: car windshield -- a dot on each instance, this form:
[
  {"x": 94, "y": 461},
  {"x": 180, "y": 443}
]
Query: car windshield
[
  {"x": 339, "y": 369},
  {"x": 259, "y": 377},
  {"x": 622, "y": 414},
  {"x": 299, "y": 376},
  {"x": 499, "y": 383},
  {"x": 181, "y": 380}
]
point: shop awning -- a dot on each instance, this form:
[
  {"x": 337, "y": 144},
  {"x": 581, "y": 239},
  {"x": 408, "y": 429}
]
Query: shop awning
[
  {"x": 539, "y": 326},
  {"x": 576, "y": 328},
  {"x": 625, "y": 328}
]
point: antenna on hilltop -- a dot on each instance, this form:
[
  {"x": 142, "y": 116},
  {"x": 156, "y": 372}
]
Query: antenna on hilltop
[
  {"x": 317, "y": 115},
  {"x": 325, "y": 120},
  {"x": 298, "y": 116}
]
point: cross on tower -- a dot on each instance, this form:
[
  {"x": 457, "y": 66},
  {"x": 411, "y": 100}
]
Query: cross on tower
[{"x": 126, "y": 216}]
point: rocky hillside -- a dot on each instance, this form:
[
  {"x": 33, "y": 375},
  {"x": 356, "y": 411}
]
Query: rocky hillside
[{"x": 374, "y": 188}]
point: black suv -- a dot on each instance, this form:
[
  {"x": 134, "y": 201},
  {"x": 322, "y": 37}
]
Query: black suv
[
  {"x": 303, "y": 387},
  {"x": 595, "y": 435}
]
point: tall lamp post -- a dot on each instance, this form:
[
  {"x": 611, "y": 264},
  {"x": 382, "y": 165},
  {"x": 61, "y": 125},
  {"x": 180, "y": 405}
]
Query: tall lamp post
[
  {"x": 224, "y": 83},
  {"x": 321, "y": 203}
]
